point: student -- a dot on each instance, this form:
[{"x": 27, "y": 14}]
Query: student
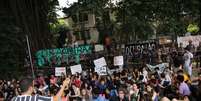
[
  {"x": 135, "y": 94},
  {"x": 183, "y": 87},
  {"x": 27, "y": 88},
  {"x": 188, "y": 62},
  {"x": 121, "y": 96}
]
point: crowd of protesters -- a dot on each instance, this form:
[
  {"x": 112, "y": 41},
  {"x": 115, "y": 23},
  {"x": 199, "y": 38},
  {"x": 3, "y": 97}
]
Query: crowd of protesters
[{"x": 129, "y": 84}]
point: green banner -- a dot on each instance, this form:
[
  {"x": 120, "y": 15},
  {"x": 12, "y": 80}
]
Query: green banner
[{"x": 61, "y": 54}]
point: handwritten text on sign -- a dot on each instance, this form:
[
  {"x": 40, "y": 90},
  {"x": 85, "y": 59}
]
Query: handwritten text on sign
[
  {"x": 76, "y": 69},
  {"x": 60, "y": 70},
  {"x": 61, "y": 54},
  {"x": 100, "y": 62}
]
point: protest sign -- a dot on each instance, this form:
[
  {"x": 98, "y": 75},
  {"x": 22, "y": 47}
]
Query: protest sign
[
  {"x": 101, "y": 70},
  {"x": 130, "y": 48},
  {"x": 118, "y": 61},
  {"x": 99, "y": 48},
  {"x": 46, "y": 56},
  {"x": 195, "y": 40},
  {"x": 165, "y": 40},
  {"x": 161, "y": 67},
  {"x": 100, "y": 62},
  {"x": 76, "y": 69},
  {"x": 60, "y": 70}
]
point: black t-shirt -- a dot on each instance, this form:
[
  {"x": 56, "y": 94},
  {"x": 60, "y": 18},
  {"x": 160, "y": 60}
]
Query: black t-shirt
[
  {"x": 118, "y": 99},
  {"x": 117, "y": 83},
  {"x": 1, "y": 95}
]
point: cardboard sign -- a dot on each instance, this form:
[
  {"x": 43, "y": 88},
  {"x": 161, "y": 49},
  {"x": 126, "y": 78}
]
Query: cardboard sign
[
  {"x": 100, "y": 62},
  {"x": 60, "y": 70},
  {"x": 76, "y": 69},
  {"x": 97, "y": 69},
  {"x": 118, "y": 61},
  {"x": 99, "y": 48},
  {"x": 101, "y": 70}
]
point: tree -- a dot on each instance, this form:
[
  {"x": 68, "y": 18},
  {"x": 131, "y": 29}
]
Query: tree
[
  {"x": 34, "y": 16},
  {"x": 138, "y": 17},
  {"x": 134, "y": 17},
  {"x": 19, "y": 18}
]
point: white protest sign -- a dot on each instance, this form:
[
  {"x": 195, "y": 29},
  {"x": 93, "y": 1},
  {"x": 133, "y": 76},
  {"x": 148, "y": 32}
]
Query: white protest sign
[
  {"x": 118, "y": 61},
  {"x": 102, "y": 70},
  {"x": 60, "y": 70},
  {"x": 76, "y": 69},
  {"x": 161, "y": 67},
  {"x": 195, "y": 39},
  {"x": 99, "y": 48},
  {"x": 100, "y": 62},
  {"x": 97, "y": 69}
]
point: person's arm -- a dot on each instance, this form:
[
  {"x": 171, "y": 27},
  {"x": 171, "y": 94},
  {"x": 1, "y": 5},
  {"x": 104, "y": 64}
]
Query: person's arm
[
  {"x": 161, "y": 86},
  {"x": 59, "y": 94},
  {"x": 138, "y": 98}
]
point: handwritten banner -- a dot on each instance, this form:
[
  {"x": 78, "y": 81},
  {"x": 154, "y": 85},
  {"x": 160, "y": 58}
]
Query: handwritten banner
[
  {"x": 129, "y": 48},
  {"x": 195, "y": 39},
  {"x": 60, "y": 55}
]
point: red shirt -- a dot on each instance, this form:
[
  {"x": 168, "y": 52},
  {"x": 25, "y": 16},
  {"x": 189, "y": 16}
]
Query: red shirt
[{"x": 77, "y": 83}]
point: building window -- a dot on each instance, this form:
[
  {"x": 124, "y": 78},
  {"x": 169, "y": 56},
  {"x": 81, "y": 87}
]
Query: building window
[{"x": 80, "y": 35}]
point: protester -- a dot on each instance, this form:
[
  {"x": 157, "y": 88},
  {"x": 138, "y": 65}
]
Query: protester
[
  {"x": 121, "y": 96},
  {"x": 27, "y": 89},
  {"x": 198, "y": 55},
  {"x": 190, "y": 46},
  {"x": 129, "y": 84},
  {"x": 135, "y": 93},
  {"x": 183, "y": 87},
  {"x": 188, "y": 61}
]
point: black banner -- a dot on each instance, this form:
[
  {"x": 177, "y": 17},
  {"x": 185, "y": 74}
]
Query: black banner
[{"x": 130, "y": 49}]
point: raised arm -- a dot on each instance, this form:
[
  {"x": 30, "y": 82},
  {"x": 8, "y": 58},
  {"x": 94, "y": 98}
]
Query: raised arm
[{"x": 59, "y": 94}]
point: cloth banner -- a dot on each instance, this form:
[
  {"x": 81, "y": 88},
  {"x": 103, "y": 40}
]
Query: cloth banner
[
  {"x": 59, "y": 55},
  {"x": 195, "y": 40},
  {"x": 161, "y": 67},
  {"x": 150, "y": 44}
]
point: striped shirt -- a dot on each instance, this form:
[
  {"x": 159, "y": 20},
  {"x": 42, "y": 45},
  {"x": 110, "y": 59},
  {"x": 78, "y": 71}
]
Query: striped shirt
[{"x": 32, "y": 98}]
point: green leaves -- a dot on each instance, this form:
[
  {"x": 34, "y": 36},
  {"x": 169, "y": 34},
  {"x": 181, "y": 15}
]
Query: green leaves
[
  {"x": 24, "y": 17},
  {"x": 138, "y": 18}
]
